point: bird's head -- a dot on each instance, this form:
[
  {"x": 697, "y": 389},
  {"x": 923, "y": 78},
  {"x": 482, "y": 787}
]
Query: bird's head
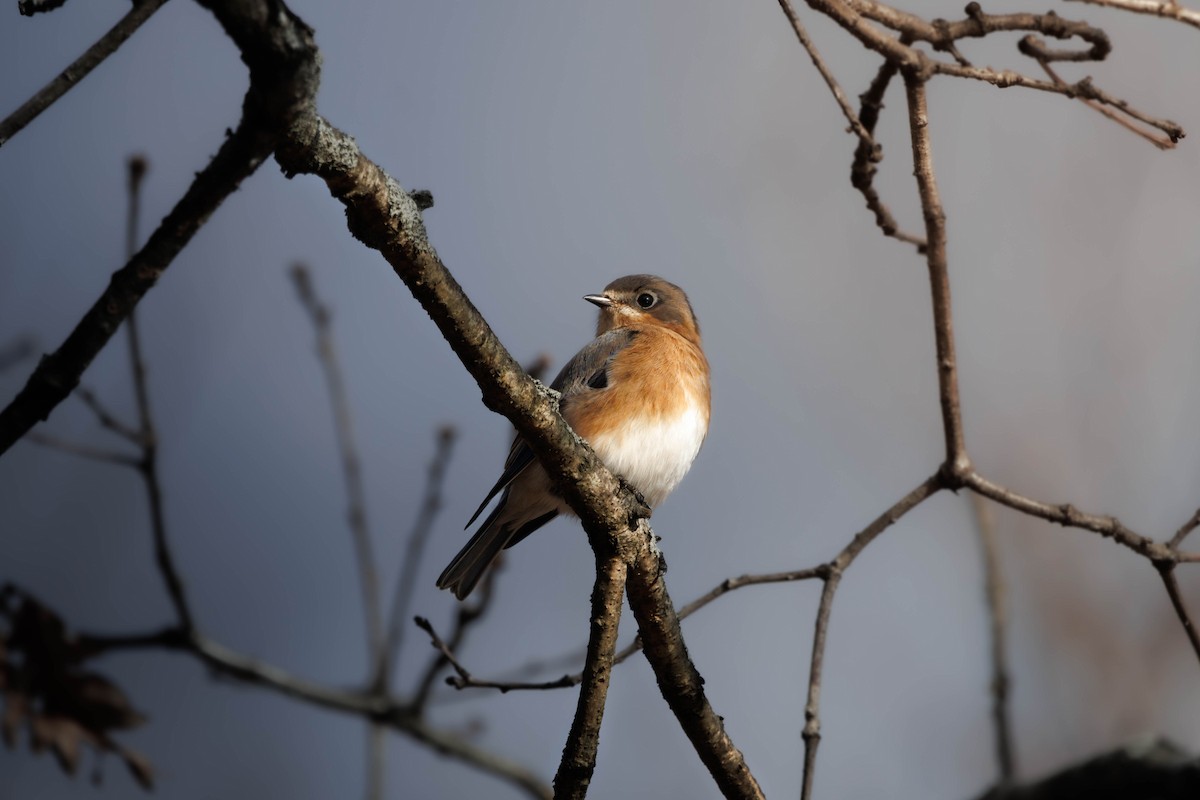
[{"x": 637, "y": 301}]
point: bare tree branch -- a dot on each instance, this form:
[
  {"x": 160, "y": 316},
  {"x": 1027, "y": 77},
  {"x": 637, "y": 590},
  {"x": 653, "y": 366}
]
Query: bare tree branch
[
  {"x": 865, "y": 138},
  {"x": 578, "y": 761},
  {"x": 832, "y": 575},
  {"x": 1169, "y": 9},
  {"x": 386, "y": 709},
  {"x": 465, "y": 679},
  {"x": 863, "y": 169},
  {"x": 994, "y": 593},
  {"x": 105, "y": 417},
  {"x": 104, "y": 47},
  {"x": 957, "y": 462},
  {"x": 1069, "y": 516},
  {"x": 1161, "y": 142},
  {"x": 468, "y": 614},
  {"x": 1183, "y": 532},
  {"x": 84, "y": 450},
  {"x": 146, "y": 434},
  {"x": 1167, "y": 572}
]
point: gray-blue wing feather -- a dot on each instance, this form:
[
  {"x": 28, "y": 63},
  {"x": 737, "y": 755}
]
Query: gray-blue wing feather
[{"x": 587, "y": 371}]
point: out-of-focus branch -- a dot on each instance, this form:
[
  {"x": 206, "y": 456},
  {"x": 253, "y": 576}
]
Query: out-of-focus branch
[
  {"x": 382, "y": 708},
  {"x": 87, "y": 451},
  {"x": 146, "y": 434},
  {"x": 283, "y": 79},
  {"x": 104, "y": 47},
  {"x": 105, "y": 417},
  {"x": 832, "y": 573},
  {"x": 578, "y": 761},
  {"x": 16, "y": 351},
  {"x": 1169, "y": 9},
  {"x": 994, "y": 594},
  {"x": 406, "y": 583},
  {"x": 356, "y": 507}
]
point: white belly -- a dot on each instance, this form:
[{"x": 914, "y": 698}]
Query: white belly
[{"x": 654, "y": 453}]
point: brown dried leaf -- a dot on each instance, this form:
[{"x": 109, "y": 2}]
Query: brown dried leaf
[{"x": 46, "y": 690}]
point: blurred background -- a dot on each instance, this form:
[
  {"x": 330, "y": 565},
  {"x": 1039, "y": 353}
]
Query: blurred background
[{"x": 566, "y": 145}]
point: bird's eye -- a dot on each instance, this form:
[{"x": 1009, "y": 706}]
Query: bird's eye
[{"x": 646, "y": 300}]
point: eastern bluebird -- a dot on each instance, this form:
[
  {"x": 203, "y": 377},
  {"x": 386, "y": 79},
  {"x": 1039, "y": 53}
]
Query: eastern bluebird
[{"x": 638, "y": 393}]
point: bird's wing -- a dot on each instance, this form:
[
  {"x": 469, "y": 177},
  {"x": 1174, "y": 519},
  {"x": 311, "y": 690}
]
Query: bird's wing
[
  {"x": 519, "y": 457},
  {"x": 587, "y": 371}
]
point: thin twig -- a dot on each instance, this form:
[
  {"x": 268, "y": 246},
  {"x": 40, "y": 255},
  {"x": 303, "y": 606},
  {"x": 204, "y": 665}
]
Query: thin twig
[
  {"x": 1069, "y": 516},
  {"x": 957, "y": 462},
  {"x": 863, "y": 169},
  {"x": 1167, "y": 572},
  {"x": 465, "y": 679},
  {"x": 105, "y": 417},
  {"x": 1184, "y": 530},
  {"x": 467, "y": 615},
  {"x": 806, "y": 42},
  {"x": 417, "y": 538},
  {"x": 147, "y": 435},
  {"x": 1169, "y": 9},
  {"x": 84, "y": 450},
  {"x": 994, "y": 594},
  {"x": 356, "y": 509},
  {"x": 104, "y": 47},
  {"x": 832, "y": 575},
  {"x": 1161, "y": 142}
]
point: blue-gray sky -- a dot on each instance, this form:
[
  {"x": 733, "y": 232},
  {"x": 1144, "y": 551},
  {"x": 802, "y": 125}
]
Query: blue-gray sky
[{"x": 568, "y": 144}]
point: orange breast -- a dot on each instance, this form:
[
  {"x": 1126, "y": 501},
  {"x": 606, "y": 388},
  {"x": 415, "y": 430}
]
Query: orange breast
[{"x": 660, "y": 375}]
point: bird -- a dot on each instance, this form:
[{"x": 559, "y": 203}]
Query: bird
[{"x": 638, "y": 393}]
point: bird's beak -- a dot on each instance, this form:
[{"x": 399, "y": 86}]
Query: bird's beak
[{"x": 598, "y": 300}]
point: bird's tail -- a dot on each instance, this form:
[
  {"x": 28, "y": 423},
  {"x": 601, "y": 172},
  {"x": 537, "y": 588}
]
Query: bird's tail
[
  {"x": 468, "y": 566},
  {"x": 510, "y": 522}
]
